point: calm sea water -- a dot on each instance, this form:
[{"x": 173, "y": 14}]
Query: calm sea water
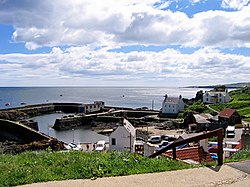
[
  {"x": 78, "y": 135},
  {"x": 123, "y": 97}
]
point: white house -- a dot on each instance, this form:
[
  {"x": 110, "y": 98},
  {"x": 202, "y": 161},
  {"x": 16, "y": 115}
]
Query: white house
[
  {"x": 123, "y": 138},
  {"x": 88, "y": 108},
  {"x": 214, "y": 96},
  {"x": 172, "y": 105}
]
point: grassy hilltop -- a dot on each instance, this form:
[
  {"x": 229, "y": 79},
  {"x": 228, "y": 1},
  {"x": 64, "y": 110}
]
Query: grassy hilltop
[{"x": 240, "y": 101}]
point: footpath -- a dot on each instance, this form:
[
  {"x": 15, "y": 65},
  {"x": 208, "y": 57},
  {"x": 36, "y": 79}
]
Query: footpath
[{"x": 225, "y": 175}]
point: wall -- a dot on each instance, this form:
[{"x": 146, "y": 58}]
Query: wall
[{"x": 27, "y": 134}]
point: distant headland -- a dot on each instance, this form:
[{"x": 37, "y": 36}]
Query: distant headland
[{"x": 232, "y": 85}]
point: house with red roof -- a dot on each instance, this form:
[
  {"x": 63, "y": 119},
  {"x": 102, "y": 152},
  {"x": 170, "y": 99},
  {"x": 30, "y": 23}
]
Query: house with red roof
[{"x": 229, "y": 116}]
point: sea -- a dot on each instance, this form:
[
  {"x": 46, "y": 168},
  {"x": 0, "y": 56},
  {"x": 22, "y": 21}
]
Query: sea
[{"x": 131, "y": 97}]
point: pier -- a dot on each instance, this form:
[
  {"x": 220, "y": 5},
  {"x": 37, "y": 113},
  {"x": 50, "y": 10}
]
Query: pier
[{"x": 16, "y": 137}]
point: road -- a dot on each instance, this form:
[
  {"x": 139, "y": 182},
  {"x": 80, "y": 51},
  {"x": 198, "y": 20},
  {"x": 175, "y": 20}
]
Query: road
[
  {"x": 242, "y": 166},
  {"x": 212, "y": 109}
]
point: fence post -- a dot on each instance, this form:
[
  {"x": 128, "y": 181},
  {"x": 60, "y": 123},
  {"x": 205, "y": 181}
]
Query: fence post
[
  {"x": 220, "y": 147},
  {"x": 174, "y": 153}
]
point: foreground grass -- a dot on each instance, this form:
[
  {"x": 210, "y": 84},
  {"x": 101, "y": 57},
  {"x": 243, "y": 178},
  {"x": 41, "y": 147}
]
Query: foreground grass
[{"x": 31, "y": 167}]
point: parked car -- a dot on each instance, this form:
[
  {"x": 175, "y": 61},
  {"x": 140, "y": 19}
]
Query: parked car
[
  {"x": 154, "y": 139},
  {"x": 230, "y": 132},
  {"x": 73, "y": 146},
  {"x": 213, "y": 149},
  {"x": 100, "y": 146},
  {"x": 138, "y": 138},
  {"x": 168, "y": 138},
  {"x": 162, "y": 145},
  {"x": 214, "y": 156}
]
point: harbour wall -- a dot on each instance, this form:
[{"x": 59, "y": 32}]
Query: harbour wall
[
  {"x": 16, "y": 138},
  {"x": 22, "y": 132},
  {"x": 24, "y": 112},
  {"x": 104, "y": 117}
]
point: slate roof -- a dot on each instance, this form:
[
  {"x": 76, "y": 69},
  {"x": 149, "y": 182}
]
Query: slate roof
[
  {"x": 227, "y": 112},
  {"x": 171, "y": 100},
  {"x": 202, "y": 118},
  {"x": 129, "y": 127}
]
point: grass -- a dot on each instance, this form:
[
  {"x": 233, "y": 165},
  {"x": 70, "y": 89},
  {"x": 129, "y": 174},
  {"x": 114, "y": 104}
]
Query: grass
[
  {"x": 241, "y": 155},
  {"x": 240, "y": 102},
  {"x": 32, "y": 167},
  {"x": 198, "y": 107}
]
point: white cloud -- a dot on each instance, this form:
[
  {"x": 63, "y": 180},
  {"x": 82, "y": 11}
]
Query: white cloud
[
  {"x": 89, "y": 28},
  {"x": 84, "y": 64},
  {"x": 116, "y": 23},
  {"x": 234, "y": 4}
]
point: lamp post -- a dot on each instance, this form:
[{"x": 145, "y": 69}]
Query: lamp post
[{"x": 73, "y": 135}]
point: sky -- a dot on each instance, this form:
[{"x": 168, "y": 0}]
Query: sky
[{"x": 154, "y": 43}]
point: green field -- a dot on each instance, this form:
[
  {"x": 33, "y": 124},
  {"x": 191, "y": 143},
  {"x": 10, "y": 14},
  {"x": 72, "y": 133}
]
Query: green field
[
  {"x": 240, "y": 102},
  {"x": 31, "y": 167}
]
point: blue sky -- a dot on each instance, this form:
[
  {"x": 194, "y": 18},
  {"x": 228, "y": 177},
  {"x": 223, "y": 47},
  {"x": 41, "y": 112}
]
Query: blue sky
[{"x": 124, "y": 43}]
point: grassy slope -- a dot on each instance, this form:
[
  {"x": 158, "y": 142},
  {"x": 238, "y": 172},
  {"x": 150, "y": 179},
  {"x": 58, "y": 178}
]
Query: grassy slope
[
  {"x": 30, "y": 167},
  {"x": 240, "y": 156},
  {"x": 241, "y": 102}
]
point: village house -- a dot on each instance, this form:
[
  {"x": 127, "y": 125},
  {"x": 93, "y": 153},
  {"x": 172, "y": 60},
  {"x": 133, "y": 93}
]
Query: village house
[
  {"x": 123, "y": 138},
  {"x": 202, "y": 122},
  {"x": 95, "y": 107},
  {"x": 216, "y": 96},
  {"x": 172, "y": 105},
  {"x": 229, "y": 116}
]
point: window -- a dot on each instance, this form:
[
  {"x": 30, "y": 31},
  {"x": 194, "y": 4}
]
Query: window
[
  {"x": 207, "y": 99},
  {"x": 113, "y": 141}
]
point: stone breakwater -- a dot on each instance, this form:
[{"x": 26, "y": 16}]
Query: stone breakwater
[
  {"x": 25, "y": 112},
  {"x": 106, "y": 119},
  {"x": 21, "y": 113},
  {"x": 15, "y": 138}
]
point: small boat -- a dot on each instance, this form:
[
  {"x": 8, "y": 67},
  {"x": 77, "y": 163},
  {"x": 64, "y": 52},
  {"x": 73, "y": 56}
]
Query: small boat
[
  {"x": 22, "y": 103},
  {"x": 7, "y": 104},
  {"x": 61, "y": 95}
]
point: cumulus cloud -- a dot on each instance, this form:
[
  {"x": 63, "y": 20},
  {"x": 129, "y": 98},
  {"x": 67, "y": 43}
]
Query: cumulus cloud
[
  {"x": 124, "y": 22},
  {"x": 88, "y": 29},
  {"x": 101, "y": 65},
  {"x": 234, "y": 4}
]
